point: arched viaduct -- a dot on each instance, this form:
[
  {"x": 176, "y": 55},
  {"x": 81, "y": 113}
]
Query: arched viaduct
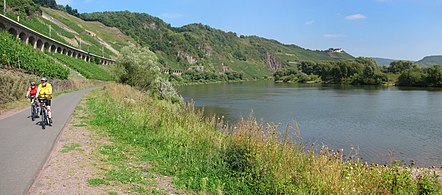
[{"x": 44, "y": 43}]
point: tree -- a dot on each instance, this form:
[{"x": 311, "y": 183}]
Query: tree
[
  {"x": 412, "y": 77},
  {"x": 46, "y": 3},
  {"x": 400, "y": 66},
  {"x": 140, "y": 68},
  {"x": 68, "y": 9},
  {"x": 434, "y": 75}
]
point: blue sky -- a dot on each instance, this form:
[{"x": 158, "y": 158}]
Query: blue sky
[{"x": 398, "y": 29}]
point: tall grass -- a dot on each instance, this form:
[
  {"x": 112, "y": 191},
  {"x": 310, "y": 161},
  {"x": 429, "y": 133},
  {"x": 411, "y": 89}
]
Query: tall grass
[{"x": 205, "y": 155}]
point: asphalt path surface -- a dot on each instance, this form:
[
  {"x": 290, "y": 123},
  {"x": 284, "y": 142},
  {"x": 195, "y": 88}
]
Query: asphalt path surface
[{"x": 25, "y": 146}]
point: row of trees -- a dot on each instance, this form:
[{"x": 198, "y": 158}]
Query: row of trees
[
  {"x": 203, "y": 76},
  {"x": 47, "y": 3},
  {"x": 53, "y": 4},
  {"x": 69, "y": 10},
  {"x": 421, "y": 76},
  {"x": 362, "y": 71}
]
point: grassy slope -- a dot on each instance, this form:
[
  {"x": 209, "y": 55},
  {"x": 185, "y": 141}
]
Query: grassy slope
[
  {"x": 248, "y": 158},
  {"x": 112, "y": 36},
  {"x": 87, "y": 69}
]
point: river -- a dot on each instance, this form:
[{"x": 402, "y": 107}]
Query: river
[{"x": 381, "y": 124}]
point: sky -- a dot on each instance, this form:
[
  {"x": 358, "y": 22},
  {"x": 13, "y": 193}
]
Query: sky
[{"x": 395, "y": 29}]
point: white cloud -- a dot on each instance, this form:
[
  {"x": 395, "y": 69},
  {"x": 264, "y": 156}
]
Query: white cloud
[
  {"x": 356, "y": 17},
  {"x": 63, "y": 2},
  {"x": 171, "y": 15},
  {"x": 310, "y": 22},
  {"x": 334, "y": 36}
]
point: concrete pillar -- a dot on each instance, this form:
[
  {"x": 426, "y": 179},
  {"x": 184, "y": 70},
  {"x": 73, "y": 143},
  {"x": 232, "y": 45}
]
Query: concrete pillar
[{"x": 43, "y": 46}]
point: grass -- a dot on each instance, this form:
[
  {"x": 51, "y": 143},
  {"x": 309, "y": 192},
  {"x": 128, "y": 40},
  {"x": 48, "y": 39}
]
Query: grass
[
  {"x": 206, "y": 156},
  {"x": 71, "y": 147},
  {"x": 112, "y": 36},
  {"x": 57, "y": 29},
  {"x": 95, "y": 47},
  {"x": 250, "y": 70},
  {"x": 97, "y": 182},
  {"x": 41, "y": 26}
]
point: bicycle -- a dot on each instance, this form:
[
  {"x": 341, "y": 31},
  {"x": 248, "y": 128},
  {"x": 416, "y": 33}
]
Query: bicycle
[
  {"x": 44, "y": 113},
  {"x": 34, "y": 108}
]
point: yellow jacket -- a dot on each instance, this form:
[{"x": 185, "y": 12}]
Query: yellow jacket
[{"x": 45, "y": 90}]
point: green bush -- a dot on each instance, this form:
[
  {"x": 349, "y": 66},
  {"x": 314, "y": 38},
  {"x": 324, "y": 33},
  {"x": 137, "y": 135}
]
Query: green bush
[{"x": 139, "y": 67}]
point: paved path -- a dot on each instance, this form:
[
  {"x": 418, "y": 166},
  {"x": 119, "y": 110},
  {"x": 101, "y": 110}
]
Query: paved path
[{"x": 24, "y": 145}]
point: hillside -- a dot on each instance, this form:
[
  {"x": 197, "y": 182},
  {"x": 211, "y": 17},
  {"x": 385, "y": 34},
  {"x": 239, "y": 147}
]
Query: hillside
[
  {"x": 202, "y": 45},
  {"x": 105, "y": 33},
  {"x": 384, "y": 61},
  {"x": 92, "y": 37},
  {"x": 94, "y": 34},
  {"x": 430, "y": 60}
]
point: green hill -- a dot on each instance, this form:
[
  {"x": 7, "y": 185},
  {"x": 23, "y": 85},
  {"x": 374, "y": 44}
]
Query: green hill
[
  {"x": 384, "y": 61},
  {"x": 202, "y": 45},
  {"x": 431, "y": 60}
]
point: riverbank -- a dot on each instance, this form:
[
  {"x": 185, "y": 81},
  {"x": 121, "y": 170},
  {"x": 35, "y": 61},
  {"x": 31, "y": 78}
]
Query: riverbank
[
  {"x": 119, "y": 143},
  {"x": 202, "y": 154},
  {"x": 77, "y": 163},
  {"x": 383, "y": 123}
]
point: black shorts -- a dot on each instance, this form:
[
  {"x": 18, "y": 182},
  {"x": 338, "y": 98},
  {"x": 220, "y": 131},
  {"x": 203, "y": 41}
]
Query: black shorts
[
  {"x": 48, "y": 102},
  {"x": 31, "y": 99}
]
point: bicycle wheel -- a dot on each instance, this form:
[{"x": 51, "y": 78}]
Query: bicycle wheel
[
  {"x": 43, "y": 119},
  {"x": 32, "y": 112}
]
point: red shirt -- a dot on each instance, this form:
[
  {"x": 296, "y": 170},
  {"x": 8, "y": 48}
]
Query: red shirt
[{"x": 33, "y": 91}]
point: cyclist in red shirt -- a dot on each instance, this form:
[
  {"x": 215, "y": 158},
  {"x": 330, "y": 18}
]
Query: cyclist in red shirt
[
  {"x": 32, "y": 91},
  {"x": 32, "y": 95}
]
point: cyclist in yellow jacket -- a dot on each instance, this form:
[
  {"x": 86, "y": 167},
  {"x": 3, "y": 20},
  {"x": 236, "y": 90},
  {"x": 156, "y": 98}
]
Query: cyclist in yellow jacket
[{"x": 45, "y": 91}]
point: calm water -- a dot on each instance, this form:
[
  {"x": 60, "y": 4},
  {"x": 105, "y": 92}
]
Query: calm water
[{"x": 384, "y": 123}]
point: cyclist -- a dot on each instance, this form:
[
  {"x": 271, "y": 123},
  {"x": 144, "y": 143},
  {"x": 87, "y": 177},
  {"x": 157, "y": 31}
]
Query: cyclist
[
  {"x": 32, "y": 93},
  {"x": 45, "y": 91}
]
